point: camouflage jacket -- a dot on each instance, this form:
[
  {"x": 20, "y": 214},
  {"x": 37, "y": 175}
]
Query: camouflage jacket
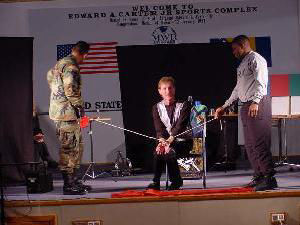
[{"x": 65, "y": 84}]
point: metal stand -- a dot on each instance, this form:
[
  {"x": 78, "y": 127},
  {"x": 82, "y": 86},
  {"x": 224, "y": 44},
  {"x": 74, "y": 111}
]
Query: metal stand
[
  {"x": 283, "y": 159},
  {"x": 189, "y": 163},
  {"x": 204, "y": 155},
  {"x": 167, "y": 177},
  {"x": 224, "y": 127},
  {"x": 90, "y": 172}
]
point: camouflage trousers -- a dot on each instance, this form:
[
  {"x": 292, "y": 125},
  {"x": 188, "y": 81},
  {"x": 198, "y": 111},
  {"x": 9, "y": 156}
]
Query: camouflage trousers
[{"x": 71, "y": 145}]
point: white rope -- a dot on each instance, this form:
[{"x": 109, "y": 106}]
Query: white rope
[
  {"x": 200, "y": 125},
  {"x": 109, "y": 124},
  {"x": 143, "y": 135}
]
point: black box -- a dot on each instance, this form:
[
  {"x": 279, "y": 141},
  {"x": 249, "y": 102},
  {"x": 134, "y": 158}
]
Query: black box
[{"x": 39, "y": 181}]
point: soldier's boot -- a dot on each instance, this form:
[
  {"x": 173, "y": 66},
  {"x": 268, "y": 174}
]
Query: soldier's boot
[
  {"x": 70, "y": 188},
  {"x": 79, "y": 182}
]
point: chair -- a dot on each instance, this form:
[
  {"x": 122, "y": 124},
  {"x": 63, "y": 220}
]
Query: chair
[{"x": 194, "y": 165}]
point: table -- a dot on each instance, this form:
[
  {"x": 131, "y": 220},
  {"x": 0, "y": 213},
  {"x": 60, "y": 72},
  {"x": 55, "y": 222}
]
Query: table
[{"x": 281, "y": 125}]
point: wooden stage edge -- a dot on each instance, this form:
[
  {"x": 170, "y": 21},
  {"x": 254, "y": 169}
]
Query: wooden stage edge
[{"x": 83, "y": 201}]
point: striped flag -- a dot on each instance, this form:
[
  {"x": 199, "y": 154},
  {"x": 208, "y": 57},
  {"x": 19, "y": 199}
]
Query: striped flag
[
  {"x": 102, "y": 58},
  {"x": 285, "y": 85},
  {"x": 262, "y": 45}
]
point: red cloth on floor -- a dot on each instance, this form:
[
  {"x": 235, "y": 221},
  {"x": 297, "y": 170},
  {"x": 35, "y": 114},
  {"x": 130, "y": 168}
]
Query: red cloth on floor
[{"x": 198, "y": 192}]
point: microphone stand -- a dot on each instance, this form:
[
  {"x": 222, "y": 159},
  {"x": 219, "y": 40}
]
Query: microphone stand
[{"x": 90, "y": 172}]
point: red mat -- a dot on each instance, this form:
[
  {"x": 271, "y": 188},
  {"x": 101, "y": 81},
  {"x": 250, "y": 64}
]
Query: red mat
[{"x": 154, "y": 193}]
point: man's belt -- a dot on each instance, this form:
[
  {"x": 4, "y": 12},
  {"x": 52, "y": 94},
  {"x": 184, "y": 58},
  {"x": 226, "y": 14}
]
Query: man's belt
[
  {"x": 251, "y": 101},
  {"x": 246, "y": 103}
]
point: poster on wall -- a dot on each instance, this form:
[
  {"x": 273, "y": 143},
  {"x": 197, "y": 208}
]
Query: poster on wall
[{"x": 150, "y": 24}]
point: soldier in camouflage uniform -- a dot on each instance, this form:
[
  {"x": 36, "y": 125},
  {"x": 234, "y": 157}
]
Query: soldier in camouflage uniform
[{"x": 66, "y": 108}]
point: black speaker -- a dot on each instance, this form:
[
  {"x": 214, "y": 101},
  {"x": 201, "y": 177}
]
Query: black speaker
[{"x": 39, "y": 180}]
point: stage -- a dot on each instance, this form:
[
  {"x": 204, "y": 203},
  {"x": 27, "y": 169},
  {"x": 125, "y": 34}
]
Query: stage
[
  {"x": 104, "y": 187},
  {"x": 99, "y": 204}
]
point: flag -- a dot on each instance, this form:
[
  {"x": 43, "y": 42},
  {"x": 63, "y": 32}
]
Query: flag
[
  {"x": 101, "y": 59},
  {"x": 262, "y": 45},
  {"x": 285, "y": 85}
]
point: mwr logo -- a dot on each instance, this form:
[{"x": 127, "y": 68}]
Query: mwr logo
[{"x": 164, "y": 35}]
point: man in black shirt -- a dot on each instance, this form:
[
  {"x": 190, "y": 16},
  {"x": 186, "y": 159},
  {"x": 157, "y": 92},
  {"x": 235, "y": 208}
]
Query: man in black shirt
[{"x": 170, "y": 118}]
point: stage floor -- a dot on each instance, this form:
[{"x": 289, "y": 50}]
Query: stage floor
[{"x": 104, "y": 187}]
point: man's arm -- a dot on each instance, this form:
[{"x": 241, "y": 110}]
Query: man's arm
[
  {"x": 36, "y": 125},
  {"x": 233, "y": 97},
  {"x": 160, "y": 128},
  {"x": 38, "y": 135},
  {"x": 260, "y": 73},
  {"x": 49, "y": 78},
  {"x": 72, "y": 86}
]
